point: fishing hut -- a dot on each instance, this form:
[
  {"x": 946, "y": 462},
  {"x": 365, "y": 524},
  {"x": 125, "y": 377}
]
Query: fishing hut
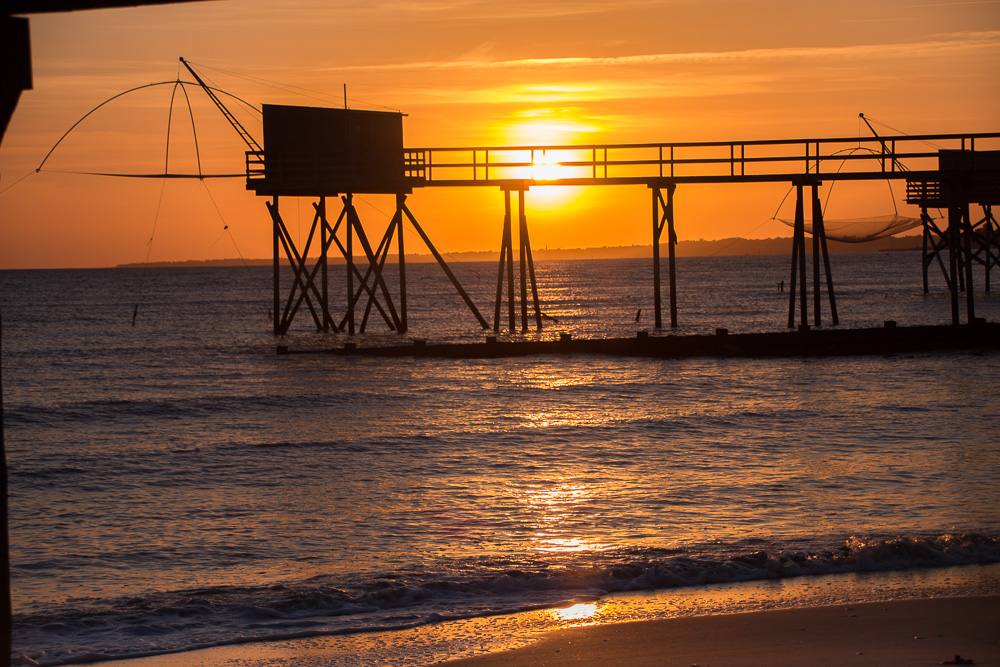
[
  {"x": 965, "y": 178},
  {"x": 328, "y": 153}
]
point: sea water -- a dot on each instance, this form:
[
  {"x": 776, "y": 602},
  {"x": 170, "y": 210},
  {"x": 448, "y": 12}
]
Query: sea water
[{"x": 175, "y": 484}]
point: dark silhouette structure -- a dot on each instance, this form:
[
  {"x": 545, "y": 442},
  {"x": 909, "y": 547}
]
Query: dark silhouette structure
[
  {"x": 321, "y": 152},
  {"x": 331, "y": 152},
  {"x": 965, "y": 178}
]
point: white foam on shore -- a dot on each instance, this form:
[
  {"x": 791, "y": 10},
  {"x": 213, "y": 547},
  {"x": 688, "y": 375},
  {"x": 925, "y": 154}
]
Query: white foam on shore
[{"x": 472, "y": 636}]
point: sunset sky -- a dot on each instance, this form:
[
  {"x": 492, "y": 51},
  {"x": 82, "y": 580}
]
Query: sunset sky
[{"x": 469, "y": 72}]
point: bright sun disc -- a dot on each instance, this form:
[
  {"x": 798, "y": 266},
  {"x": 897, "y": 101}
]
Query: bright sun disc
[{"x": 547, "y": 168}]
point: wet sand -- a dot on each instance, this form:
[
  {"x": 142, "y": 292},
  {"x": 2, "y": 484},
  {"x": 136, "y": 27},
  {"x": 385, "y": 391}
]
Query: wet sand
[
  {"x": 897, "y": 633},
  {"x": 912, "y": 632}
]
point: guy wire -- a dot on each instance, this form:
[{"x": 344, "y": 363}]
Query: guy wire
[
  {"x": 226, "y": 230},
  {"x": 149, "y": 250}
]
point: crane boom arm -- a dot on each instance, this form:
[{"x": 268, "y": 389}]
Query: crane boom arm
[
  {"x": 242, "y": 131},
  {"x": 885, "y": 149}
]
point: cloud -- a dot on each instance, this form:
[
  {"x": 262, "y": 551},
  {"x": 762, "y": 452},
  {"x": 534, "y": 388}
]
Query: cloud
[
  {"x": 948, "y": 45},
  {"x": 595, "y": 90}
]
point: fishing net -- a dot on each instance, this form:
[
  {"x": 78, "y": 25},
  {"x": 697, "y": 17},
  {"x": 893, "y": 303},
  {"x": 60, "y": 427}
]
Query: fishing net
[{"x": 860, "y": 230}]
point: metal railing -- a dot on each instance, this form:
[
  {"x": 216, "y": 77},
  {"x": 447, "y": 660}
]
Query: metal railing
[
  {"x": 706, "y": 162},
  {"x": 848, "y": 158}
]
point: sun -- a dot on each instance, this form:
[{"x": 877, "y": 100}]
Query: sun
[
  {"x": 545, "y": 140},
  {"x": 547, "y": 167}
]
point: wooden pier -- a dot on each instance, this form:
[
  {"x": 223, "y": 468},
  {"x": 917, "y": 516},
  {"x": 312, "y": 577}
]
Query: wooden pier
[
  {"x": 327, "y": 153},
  {"x": 954, "y": 178}
]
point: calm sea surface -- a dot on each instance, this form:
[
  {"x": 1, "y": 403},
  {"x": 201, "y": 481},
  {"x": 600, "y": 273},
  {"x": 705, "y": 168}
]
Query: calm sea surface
[{"x": 175, "y": 484}]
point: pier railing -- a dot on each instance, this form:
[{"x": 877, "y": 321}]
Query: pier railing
[{"x": 705, "y": 162}]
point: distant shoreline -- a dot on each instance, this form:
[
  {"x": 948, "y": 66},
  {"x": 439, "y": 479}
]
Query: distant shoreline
[{"x": 721, "y": 247}]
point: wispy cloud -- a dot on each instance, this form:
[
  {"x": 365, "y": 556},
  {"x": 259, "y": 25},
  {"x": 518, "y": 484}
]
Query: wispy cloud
[
  {"x": 945, "y": 45},
  {"x": 955, "y": 4}
]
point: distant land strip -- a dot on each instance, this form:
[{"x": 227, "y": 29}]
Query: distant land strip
[{"x": 701, "y": 248}]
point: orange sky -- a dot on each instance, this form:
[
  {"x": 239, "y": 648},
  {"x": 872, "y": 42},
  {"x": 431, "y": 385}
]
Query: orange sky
[{"x": 470, "y": 72}]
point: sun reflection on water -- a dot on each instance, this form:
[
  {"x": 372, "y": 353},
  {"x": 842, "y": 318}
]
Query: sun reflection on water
[
  {"x": 558, "y": 518},
  {"x": 566, "y": 545}
]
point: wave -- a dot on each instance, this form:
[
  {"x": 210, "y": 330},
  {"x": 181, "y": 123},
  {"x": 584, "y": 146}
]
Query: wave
[{"x": 88, "y": 630}]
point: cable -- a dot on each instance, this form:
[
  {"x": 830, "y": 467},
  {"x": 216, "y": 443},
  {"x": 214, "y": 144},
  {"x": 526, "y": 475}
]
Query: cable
[
  {"x": 158, "y": 176},
  {"x": 175, "y": 83},
  {"x": 270, "y": 84},
  {"x": 149, "y": 250},
  {"x": 170, "y": 115},
  {"x": 744, "y": 236},
  {"x": 194, "y": 131},
  {"x": 16, "y": 182},
  {"x": 298, "y": 90},
  {"x": 225, "y": 230},
  {"x": 905, "y": 134}
]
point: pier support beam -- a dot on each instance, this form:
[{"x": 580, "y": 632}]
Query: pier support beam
[
  {"x": 935, "y": 242},
  {"x": 311, "y": 281},
  {"x": 820, "y": 252},
  {"x": 798, "y": 262},
  {"x": 967, "y": 244},
  {"x": 375, "y": 263},
  {"x": 506, "y": 265},
  {"x": 663, "y": 217},
  {"x": 402, "y": 208},
  {"x": 304, "y": 288},
  {"x": 985, "y": 244}
]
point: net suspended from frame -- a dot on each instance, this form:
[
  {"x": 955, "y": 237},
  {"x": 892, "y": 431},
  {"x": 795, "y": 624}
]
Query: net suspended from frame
[{"x": 860, "y": 230}]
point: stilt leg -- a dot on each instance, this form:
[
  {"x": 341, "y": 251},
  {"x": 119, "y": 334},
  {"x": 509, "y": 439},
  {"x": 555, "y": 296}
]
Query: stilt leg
[
  {"x": 277, "y": 269},
  {"x": 657, "y": 231},
  {"x": 398, "y": 217},
  {"x": 970, "y": 292},
  {"x": 798, "y": 245},
  {"x": 819, "y": 226},
  {"x": 954, "y": 224},
  {"x": 522, "y": 240},
  {"x": 671, "y": 254},
  {"x": 817, "y": 301}
]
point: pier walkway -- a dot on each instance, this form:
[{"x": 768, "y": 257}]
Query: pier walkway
[
  {"x": 949, "y": 171},
  {"x": 324, "y": 153}
]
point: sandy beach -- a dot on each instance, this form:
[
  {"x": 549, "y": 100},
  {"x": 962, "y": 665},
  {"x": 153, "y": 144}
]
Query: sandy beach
[
  {"x": 912, "y": 632},
  {"x": 896, "y": 633}
]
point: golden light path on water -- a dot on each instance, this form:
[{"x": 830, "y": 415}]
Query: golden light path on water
[{"x": 556, "y": 516}]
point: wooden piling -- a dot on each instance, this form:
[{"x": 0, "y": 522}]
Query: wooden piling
[
  {"x": 657, "y": 231},
  {"x": 349, "y": 256},
  {"x": 970, "y": 292},
  {"x": 526, "y": 242},
  {"x": 671, "y": 253},
  {"x": 445, "y": 268},
  {"x": 522, "y": 240},
  {"x": 398, "y": 219},
  {"x": 273, "y": 206},
  {"x": 954, "y": 224}
]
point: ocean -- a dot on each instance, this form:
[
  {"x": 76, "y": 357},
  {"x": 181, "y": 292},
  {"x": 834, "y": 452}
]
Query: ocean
[{"x": 175, "y": 484}]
